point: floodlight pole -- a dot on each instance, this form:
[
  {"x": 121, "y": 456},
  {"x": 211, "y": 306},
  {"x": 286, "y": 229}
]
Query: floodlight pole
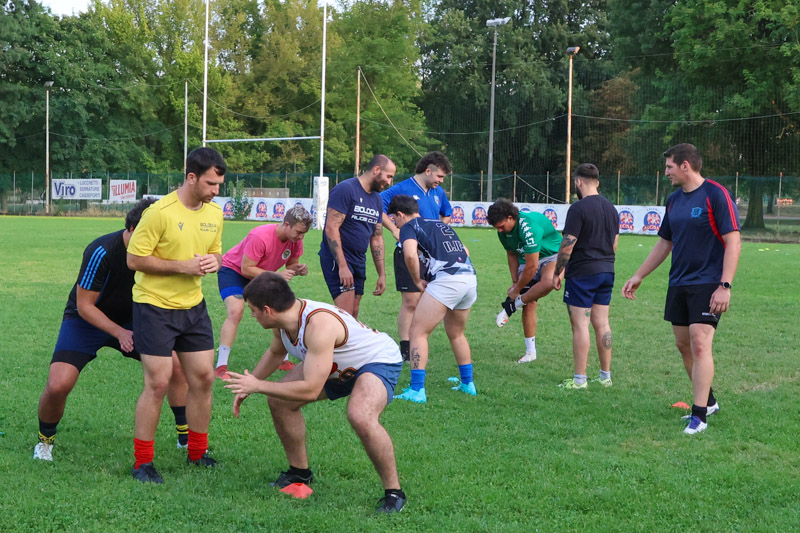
[
  {"x": 322, "y": 99},
  {"x": 205, "y": 77},
  {"x": 493, "y": 23},
  {"x": 185, "y": 124},
  {"x": 47, "y": 84},
  {"x": 571, "y": 51}
]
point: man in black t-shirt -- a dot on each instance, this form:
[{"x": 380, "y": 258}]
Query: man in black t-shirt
[
  {"x": 586, "y": 259},
  {"x": 98, "y": 314}
]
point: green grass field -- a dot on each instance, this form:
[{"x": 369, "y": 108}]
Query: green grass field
[{"x": 523, "y": 455}]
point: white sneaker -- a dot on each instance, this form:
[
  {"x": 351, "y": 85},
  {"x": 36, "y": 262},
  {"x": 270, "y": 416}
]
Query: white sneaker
[
  {"x": 502, "y": 319},
  {"x": 711, "y": 409},
  {"x": 695, "y": 426},
  {"x": 43, "y": 451},
  {"x": 527, "y": 358}
]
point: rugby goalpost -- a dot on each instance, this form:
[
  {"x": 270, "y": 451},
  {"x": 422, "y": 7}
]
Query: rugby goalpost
[{"x": 321, "y": 183}]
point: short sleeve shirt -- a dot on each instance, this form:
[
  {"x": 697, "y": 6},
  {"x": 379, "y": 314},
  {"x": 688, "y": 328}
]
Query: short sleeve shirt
[
  {"x": 169, "y": 230},
  {"x": 362, "y": 211},
  {"x": 263, "y": 246},
  {"x": 695, "y": 222},
  {"x": 532, "y": 233},
  {"x": 104, "y": 269},
  {"x": 433, "y": 204},
  {"x": 595, "y": 223},
  {"x": 439, "y": 248}
]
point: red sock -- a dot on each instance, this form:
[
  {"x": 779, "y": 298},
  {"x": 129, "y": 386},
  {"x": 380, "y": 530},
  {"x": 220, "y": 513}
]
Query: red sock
[
  {"x": 142, "y": 452},
  {"x": 198, "y": 445}
]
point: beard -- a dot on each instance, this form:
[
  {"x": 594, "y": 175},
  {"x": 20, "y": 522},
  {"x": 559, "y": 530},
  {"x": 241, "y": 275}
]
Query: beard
[{"x": 578, "y": 193}]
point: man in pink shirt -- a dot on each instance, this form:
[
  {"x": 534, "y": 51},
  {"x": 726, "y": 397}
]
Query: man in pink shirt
[{"x": 266, "y": 248}]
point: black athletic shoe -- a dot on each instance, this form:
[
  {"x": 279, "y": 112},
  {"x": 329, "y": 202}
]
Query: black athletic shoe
[
  {"x": 509, "y": 306},
  {"x": 204, "y": 460},
  {"x": 391, "y": 503},
  {"x": 286, "y": 479},
  {"x": 147, "y": 473}
]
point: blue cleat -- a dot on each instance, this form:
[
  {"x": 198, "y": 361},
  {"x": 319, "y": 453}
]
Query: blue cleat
[
  {"x": 467, "y": 389},
  {"x": 411, "y": 395}
]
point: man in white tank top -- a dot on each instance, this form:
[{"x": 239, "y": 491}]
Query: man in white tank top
[{"x": 340, "y": 357}]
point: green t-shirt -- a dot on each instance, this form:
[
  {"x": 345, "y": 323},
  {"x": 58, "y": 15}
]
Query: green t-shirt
[{"x": 533, "y": 233}]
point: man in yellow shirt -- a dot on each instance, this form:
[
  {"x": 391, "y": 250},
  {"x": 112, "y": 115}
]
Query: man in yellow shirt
[{"x": 177, "y": 242}]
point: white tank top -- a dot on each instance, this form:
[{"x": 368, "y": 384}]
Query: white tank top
[{"x": 362, "y": 344}]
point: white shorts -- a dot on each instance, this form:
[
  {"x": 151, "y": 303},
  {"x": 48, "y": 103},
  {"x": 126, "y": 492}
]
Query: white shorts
[
  {"x": 454, "y": 292},
  {"x": 538, "y": 276}
]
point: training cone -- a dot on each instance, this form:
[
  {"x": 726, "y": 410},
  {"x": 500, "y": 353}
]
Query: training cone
[
  {"x": 681, "y": 405},
  {"x": 298, "y": 490}
]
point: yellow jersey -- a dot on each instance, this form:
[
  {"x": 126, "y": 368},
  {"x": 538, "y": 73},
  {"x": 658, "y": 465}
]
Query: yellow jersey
[{"x": 169, "y": 230}]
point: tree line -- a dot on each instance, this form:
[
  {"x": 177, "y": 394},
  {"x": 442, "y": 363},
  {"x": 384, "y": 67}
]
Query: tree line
[{"x": 724, "y": 75}]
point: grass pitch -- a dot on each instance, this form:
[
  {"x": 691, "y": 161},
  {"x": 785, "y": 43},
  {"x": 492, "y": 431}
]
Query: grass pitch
[{"x": 521, "y": 456}]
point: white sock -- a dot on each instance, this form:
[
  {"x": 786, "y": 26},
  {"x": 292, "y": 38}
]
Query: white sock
[
  {"x": 605, "y": 375},
  {"x": 222, "y": 355},
  {"x": 530, "y": 344},
  {"x": 518, "y": 302}
]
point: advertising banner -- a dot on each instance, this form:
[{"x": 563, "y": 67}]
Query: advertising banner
[
  {"x": 66, "y": 189},
  {"x": 122, "y": 191}
]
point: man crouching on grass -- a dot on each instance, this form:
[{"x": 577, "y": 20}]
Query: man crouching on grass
[{"x": 339, "y": 357}]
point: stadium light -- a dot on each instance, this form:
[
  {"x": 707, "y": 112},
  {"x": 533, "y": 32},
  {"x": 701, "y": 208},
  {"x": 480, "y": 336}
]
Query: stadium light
[
  {"x": 47, "y": 84},
  {"x": 493, "y": 23},
  {"x": 571, "y": 51}
]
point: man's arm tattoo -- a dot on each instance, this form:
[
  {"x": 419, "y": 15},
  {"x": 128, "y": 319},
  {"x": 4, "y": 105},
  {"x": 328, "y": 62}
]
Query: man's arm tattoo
[
  {"x": 377, "y": 252},
  {"x": 563, "y": 256}
]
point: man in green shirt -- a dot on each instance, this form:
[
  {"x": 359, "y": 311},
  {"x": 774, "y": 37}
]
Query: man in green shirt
[{"x": 531, "y": 243}]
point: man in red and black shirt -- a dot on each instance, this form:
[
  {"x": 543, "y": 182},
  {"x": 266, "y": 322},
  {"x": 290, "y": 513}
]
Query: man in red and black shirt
[{"x": 701, "y": 230}]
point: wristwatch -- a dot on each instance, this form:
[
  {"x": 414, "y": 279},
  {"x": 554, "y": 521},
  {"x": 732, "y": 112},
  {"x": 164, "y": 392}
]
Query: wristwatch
[{"x": 725, "y": 285}]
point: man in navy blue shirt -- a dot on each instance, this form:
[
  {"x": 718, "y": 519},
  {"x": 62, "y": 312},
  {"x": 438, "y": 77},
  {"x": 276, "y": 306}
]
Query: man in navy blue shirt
[
  {"x": 98, "y": 314},
  {"x": 701, "y": 230},
  {"x": 425, "y": 188},
  {"x": 353, "y": 222},
  {"x": 448, "y": 286}
]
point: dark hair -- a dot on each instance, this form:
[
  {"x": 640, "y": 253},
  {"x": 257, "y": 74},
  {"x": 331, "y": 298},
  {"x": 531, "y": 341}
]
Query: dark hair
[
  {"x": 200, "y": 160},
  {"x": 501, "y": 210},
  {"x": 378, "y": 160},
  {"x": 685, "y": 152},
  {"x": 270, "y": 289},
  {"x": 437, "y": 159},
  {"x": 135, "y": 214},
  {"x": 297, "y": 214},
  {"x": 586, "y": 171},
  {"x": 403, "y": 203}
]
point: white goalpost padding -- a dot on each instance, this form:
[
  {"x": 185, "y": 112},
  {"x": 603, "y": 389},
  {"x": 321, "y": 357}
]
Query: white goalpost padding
[{"x": 321, "y": 182}]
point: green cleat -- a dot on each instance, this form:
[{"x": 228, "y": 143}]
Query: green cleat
[{"x": 570, "y": 383}]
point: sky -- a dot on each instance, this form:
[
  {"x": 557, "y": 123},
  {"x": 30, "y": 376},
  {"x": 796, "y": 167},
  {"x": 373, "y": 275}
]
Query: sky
[{"x": 66, "y": 7}]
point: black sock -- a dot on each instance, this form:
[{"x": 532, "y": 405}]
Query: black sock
[
  {"x": 699, "y": 412},
  {"x": 405, "y": 349},
  {"x": 711, "y": 399},
  {"x": 47, "y": 431},
  {"x": 181, "y": 426},
  {"x": 302, "y": 472},
  {"x": 396, "y": 492}
]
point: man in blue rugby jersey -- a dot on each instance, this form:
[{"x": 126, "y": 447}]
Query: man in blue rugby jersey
[
  {"x": 98, "y": 314},
  {"x": 425, "y": 188}
]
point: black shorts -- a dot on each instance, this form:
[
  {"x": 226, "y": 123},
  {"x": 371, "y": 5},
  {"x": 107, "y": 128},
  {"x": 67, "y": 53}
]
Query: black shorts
[
  {"x": 403, "y": 281},
  {"x": 78, "y": 342},
  {"x": 158, "y": 331},
  {"x": 690, "y": 304}
]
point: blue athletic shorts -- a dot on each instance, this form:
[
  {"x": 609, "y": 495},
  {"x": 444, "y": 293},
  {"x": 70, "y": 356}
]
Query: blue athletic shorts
[
  {"x": 331, "y": 274},
  {"x": 586, "y": 291},
  {"x": 158, "y": 331},
  {"x": 230, "y": 282},
  {"x": 78, "y": 342},
  {"x": 388, "y": 373}
]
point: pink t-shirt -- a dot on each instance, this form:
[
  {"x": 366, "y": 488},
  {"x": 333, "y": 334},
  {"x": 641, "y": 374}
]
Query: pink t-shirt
[{"x": 263, "y": 246}]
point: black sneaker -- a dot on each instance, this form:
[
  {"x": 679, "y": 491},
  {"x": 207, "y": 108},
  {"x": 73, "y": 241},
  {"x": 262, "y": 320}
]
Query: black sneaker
[
  {"x": 204, "y": 460},
  {"x": 147, "y": 473},
  {"x": 286, "y": 479},
  {"x": 391, "y": 503},
  {"x": 509, "y": 306}
]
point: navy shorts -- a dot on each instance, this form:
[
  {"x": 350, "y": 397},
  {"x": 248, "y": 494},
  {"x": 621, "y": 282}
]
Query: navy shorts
[
  {"x": 78, "y": 342},
  {"x": 587, "y": 291},
  {"x": 230, "y": 282},
  {"x": 690, "y": 304},
  {"x": 158, "y": 331},
  {"x": 331, "y": 274},
  {"x": 403, "y": 281},
  {"x": 388, "y": 373}
]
